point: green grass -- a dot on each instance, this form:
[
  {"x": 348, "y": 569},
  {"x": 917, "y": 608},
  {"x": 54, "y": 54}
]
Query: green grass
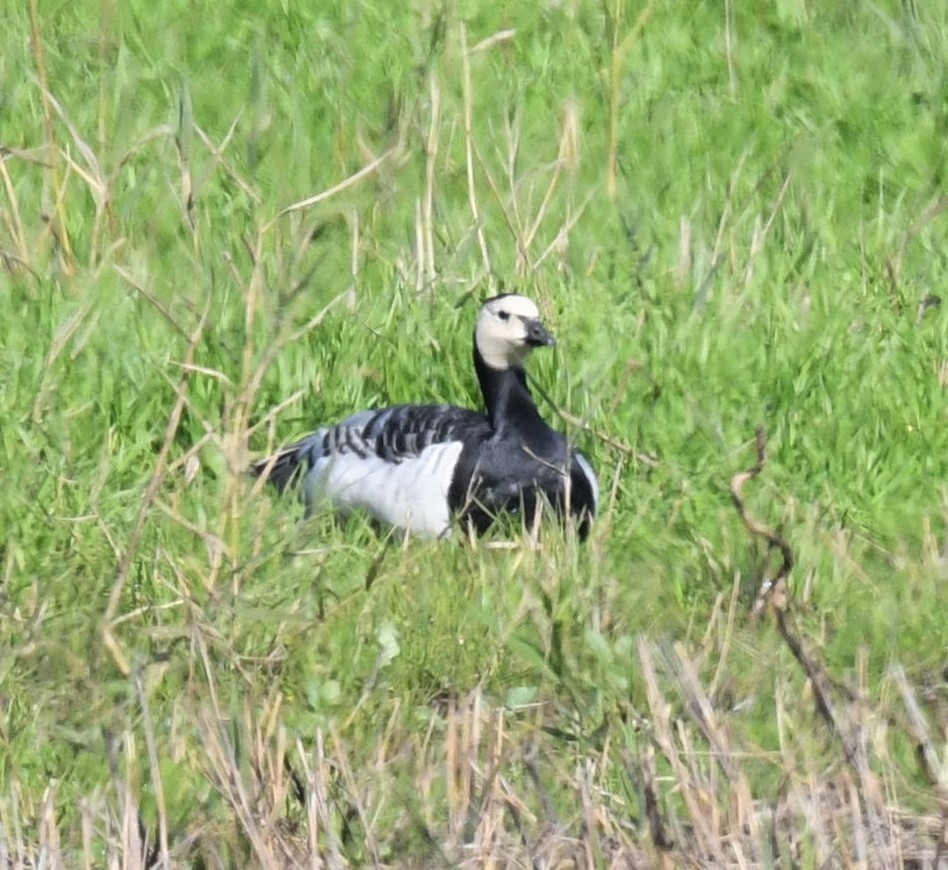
[{"x": 727, "y": 221}]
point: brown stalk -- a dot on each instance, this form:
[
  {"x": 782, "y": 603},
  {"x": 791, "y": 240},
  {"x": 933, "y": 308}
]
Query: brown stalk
[
  {"x": 511, "y": 219},
  {"x": 217, "y": 153},
  {"x": 151, "y": 491},
  {"x": 155, "y": 770},
  {"x": 618, "y": 50},
  {"x": 469, "y": 151},
  {"x": 426, "y": 265},
  {"x": 689, "y": 781},
  {"x": 346, "y": 183},
  {"x": 13, "y": 220},
  {"x": 57, "y": 218},
  {"x": 701, "y": 710},
  {"x": 761, "y": 233},
  {"x": 146, "y": 294}
]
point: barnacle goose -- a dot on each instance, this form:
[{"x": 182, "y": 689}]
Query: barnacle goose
[{"x": 419, "y": 467}]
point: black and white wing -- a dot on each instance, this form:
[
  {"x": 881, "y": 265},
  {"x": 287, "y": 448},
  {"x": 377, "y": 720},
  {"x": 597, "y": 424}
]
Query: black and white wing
[{"x": 397, "y": 463}]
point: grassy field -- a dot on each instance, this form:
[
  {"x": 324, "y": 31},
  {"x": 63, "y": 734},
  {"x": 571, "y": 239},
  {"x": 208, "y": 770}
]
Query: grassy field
[{"x": 220, "y": 227}]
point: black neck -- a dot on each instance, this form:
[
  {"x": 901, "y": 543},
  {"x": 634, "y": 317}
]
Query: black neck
[{"x": 506, "y": 396}]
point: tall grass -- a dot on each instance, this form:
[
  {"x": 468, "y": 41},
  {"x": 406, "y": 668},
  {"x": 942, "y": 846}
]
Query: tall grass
[{"x": 221, "y": 228}]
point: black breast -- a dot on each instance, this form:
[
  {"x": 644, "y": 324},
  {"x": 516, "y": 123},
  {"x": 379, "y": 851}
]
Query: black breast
[{"x": 517, "y": 475}]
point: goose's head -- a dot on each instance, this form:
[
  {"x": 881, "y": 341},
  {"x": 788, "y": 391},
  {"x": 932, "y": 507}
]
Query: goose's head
[{"x": 508, "y": 328}]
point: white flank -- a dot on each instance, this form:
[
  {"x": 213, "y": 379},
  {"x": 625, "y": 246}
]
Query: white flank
[
  {"x": 411, "y": 494},
  {"x": 591, "y": 477}
]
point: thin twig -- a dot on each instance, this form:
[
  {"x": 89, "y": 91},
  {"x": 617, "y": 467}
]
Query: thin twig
[
  {"x": 770, "y": 590},
  {"x": 775, "y": 593},
  {"x": 573, "y": 420}
]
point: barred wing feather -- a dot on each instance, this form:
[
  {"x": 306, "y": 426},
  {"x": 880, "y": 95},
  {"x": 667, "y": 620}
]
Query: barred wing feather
[{"x": 397, "y": 463}]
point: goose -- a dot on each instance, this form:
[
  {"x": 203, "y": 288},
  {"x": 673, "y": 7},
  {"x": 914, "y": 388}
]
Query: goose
[{"x": 424, "y": 468}]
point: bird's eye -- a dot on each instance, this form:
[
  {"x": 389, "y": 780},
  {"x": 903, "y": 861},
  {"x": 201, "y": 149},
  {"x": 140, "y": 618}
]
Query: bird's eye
[{"x": 503, "y": 315}]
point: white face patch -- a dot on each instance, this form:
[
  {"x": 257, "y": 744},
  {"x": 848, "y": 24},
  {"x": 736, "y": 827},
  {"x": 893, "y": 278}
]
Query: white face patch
[{"x": 508, "y": 328}]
